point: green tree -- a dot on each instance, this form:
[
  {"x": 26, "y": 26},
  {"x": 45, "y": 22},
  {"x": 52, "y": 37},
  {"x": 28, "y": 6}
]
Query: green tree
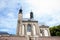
[{"x": 55, "y": 30}]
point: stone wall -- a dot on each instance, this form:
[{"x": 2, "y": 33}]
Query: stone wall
[
  {"x": 49, "y": 38},
  {"x": 13, "y": 38},
  {"x": 46, "y": 38},
  {"x": 27, "y": 38}
]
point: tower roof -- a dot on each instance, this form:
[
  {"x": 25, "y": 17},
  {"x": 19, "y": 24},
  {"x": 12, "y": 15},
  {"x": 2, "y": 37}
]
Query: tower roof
[
  {"x": 31, "y": 15},
  {"x": 20, "y": 11}
]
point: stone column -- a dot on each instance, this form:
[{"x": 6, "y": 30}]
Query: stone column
[
  {"x": 34, "y": 29},
  {"x": 25, "y": 29},
  {"x": 22, "y": 30},
  {"x": 32, "y": 32},
  {"x": 37, "y": 30},
  {"x": 48, "y": 32}
]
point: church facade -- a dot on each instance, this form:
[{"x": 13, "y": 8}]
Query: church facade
[{"x": 30, "y": 26}]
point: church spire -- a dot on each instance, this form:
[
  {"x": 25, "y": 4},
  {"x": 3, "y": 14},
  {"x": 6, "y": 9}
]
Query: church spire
[
  {"x": 20, "y": 11},
  {"x": 31, "y": 15}
]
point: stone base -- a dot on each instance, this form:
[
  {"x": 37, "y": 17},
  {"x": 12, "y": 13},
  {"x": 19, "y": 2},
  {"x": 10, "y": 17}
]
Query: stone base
[{"x": 34, "y": 37}]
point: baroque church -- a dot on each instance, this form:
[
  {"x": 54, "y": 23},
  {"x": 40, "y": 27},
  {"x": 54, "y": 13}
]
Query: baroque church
[{"x": 30, "y": 27}]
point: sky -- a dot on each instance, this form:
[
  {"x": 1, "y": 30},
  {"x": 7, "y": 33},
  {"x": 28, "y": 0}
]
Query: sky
[{"x": 47, "y": 12}]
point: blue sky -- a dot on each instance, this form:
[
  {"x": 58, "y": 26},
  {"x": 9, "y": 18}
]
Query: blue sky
[{"x": 47, "y": 12}]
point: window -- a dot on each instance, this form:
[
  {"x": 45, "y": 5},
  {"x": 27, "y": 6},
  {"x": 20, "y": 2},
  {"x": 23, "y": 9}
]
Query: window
[
  {"x": 41, "y": 32},
  {"x": 45, "y": 32},
  {"x": 28, "y": 28}
]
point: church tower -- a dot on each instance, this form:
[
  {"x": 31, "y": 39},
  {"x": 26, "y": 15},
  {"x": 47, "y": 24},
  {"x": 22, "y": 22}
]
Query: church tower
[
  {"x": 19, "y": 25},
  {"x": 31, "y": 15}
]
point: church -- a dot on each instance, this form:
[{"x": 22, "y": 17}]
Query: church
[
  {"x": 30, "y": 26},
  {"x": 29, "y": 29}
]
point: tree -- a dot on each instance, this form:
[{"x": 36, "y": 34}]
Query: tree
[{"x": 55, "y": 30}]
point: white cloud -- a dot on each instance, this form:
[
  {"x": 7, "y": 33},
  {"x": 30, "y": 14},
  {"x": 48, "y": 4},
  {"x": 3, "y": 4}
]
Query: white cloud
[
  {"x": 8, "y": 23},
  {"x": 45, "y": 8},
  {"x": 11, "y": 15}
]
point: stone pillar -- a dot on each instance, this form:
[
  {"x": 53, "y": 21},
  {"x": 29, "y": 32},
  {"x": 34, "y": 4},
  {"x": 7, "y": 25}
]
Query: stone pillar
[
  {"x": 22, "y": 30},
  {"x": 34, "y": 29},
  {"x": 32, "y": 32},
  {"x": 49, "y": 32},
  {"x": 25, "y": 31},
  {"x": 37, "y": 30}
]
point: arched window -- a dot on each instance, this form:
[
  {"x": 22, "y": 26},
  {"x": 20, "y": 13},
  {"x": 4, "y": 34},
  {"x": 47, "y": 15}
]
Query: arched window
[
  {"x": 46, "y": 32},
  {"x": 28, "y": 28},
  {"x": 41, "y": 32}
]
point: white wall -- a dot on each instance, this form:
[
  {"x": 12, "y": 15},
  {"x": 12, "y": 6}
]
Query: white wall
[{"x": 45, "y": 32}]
